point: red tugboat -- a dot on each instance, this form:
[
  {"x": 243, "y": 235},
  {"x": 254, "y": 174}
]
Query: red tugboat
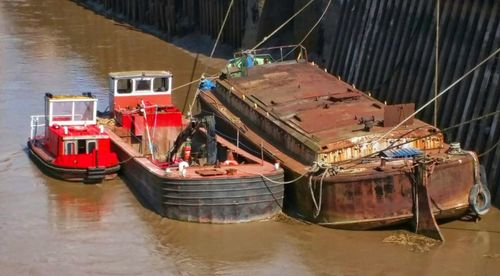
[
  {"x": 180, "y": 168},
  {"x": 68, "y": 144}
]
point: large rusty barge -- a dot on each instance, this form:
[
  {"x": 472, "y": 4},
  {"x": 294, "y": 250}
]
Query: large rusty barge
[{"x": 352, "y": 170}]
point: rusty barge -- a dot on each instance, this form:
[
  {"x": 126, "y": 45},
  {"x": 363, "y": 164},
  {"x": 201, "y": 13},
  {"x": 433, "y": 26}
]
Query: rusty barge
[
  {"x": 351, "y": 171},
  {"x": 179, "y": 168}
]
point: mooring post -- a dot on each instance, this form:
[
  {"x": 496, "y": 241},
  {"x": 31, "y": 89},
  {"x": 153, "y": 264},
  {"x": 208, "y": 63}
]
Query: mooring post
[{"x": 424, "y": 220}]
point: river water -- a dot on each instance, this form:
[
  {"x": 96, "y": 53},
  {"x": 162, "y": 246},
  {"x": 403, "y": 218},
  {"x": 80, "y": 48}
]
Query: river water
[{"x": 50, "y": 227}]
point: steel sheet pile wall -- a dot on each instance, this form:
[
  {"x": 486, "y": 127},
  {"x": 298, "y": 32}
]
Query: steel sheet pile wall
[
  {"x": 387, "y": 47},
  {"x": 178, "y": 17}
]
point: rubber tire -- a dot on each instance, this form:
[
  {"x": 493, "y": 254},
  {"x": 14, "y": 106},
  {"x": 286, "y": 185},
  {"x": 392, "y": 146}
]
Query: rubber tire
[{"x": 477, "y": 190}]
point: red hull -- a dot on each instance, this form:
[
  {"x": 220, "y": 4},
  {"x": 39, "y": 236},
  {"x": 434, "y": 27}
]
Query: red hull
[{"x": 77, "y": 174}]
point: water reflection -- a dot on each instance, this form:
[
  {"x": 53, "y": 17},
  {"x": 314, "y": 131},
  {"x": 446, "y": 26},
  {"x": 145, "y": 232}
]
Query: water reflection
[{"x": 76, "y": 203}]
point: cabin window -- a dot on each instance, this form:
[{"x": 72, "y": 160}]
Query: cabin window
[
  {"x": 160, "y": 84},
  {"x": 69, "y": 147},
  {"x": 84, "y": 111},
  {"x": 91, "y": 146},
  {"x": 142, "y": 85},
  {"x": 124, "y": 86}
]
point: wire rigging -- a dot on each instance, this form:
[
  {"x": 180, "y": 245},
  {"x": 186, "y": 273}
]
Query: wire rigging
[
  {"x": 441, "y": 93},
  {"x": 282, "y": 25},
  {"x": 310, "y": 31}
]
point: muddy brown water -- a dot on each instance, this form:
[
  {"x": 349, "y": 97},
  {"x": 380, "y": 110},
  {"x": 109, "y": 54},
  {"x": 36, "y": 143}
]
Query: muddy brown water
[{"x": 51, "y": 227}]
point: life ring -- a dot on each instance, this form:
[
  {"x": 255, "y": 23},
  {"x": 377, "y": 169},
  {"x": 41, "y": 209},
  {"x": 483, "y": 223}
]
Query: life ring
[{"x": 479, "y": 195}]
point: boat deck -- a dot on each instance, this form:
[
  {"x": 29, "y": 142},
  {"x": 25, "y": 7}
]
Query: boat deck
[
  {"x": 315, "y": 104},
  {"x": 257, "y": 167}
]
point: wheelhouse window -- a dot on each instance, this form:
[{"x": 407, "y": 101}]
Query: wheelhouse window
[
  {"x": 62, "y": 111},
  {"x": 160, "y": 84},
  {"x": 69, "y": 147},
  {"x": 84, "y": 111},
  {"x": 124, "y": 86},
  {"x": 143, "y": 85}
]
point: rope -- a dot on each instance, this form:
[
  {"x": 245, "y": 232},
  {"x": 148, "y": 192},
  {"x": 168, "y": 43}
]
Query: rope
[
  {"x": 440, "y": 94},
  {"x": 328, "y": 168},
  {"x": 281, "y": 26},
  {"x": 220, "y": 33},
  {"x": 214, "y": 76},
  {"x": 277, "y": 182},
  {"x": 310, "y": 31},
  {"x": 422, "y": 137},
  {"x": 256, "y": 46},
  {"x": 211, "y": 55},
  {"x": 490, "y": 149}
]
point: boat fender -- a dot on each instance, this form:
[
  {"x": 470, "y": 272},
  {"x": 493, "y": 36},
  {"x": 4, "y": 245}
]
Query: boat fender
[
  {"x": 230, "y": 163},
  {"x": 183, "y": 168},
  {"x": 479, "y": 195}
]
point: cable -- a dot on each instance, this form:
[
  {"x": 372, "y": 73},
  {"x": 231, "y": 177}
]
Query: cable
[
  {"x": 191, "y": 82},
  {"x": 282, "y": 25},
  {"x": 278, "y": 182},
  {"x": 440, "y": 94},
  {"x": 490, "y": 149},
  {"x": 211, "y": 54},
  {"x": 310, "y": 31},
  {"x": 421, "y": 137},
  {"x": 220, "y": 33}
]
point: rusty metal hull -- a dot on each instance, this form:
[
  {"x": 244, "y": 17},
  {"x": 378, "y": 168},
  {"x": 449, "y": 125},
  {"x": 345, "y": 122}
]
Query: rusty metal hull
[
  {"x": 366, "y": 194},
  {"x": 367, "y": 201},
  {"x": 212, "y": 199}
]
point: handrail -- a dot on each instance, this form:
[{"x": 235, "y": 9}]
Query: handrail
[
  {"x": 35, "y": 122},
  {"x": 236, "y": 66},
  {"x": 34, "y": 125},
  {"x": 269, "y": 49}
]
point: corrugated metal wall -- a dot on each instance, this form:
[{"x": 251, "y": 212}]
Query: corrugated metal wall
[{"x": 387, "y": 47}]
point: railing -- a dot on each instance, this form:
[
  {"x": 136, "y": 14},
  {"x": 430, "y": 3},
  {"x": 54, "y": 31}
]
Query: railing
[
  {"x": 35, "y": 125},
  {"x": 243, "y": 60}
]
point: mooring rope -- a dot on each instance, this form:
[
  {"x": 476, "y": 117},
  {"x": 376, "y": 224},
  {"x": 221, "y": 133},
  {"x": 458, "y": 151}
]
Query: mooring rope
[
  {"x": 490, "y": 149},
  {"x": 441, "y": 93},
  {"x": 421, "y": 137},
  {"x": 210, "y": 57},
  {"x": 281, "y": 26},
  {"x": 219, "y": 35},
  {"x": 310, "y": 31}
]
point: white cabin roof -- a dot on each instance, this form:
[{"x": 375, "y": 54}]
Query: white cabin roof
[{"x": 138, "y": 74}]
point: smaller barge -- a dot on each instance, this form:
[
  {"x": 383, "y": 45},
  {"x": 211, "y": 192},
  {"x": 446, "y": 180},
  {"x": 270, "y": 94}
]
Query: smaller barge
[
  {"x": 351, "y": 170},
  {"x": 67, "y": 143},
  {"x": 180, "y": 168}
]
